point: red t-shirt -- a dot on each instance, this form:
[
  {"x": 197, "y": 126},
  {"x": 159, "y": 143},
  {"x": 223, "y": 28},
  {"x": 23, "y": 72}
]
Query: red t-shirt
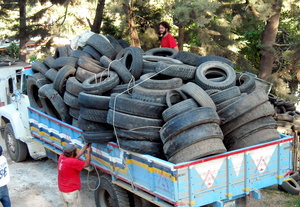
[
  {"x": 168, "y": 41},
  {"x": 69, "y": 173}
]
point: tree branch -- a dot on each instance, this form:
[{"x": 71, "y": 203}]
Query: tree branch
[{"x": 255, "y": 13}]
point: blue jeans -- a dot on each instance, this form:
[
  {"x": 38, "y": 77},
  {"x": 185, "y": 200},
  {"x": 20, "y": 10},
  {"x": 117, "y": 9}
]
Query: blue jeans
[{"x": 4, "y": 196}]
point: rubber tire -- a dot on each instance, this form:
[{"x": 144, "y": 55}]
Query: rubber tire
[
  {"x": 16, "y": 149},
  {"x": 199, "y": 150},
  {"x": 94, "y": 53},
  {"x": 162, "y": 51},
  {"x": 188, "y": 120},
  {"x": 73, "y": 86},
  {"x": 158, "y": 81},
  {"x": 63, "y": 61},
  {"x": 62, "y": 76},
  {"x": 87, "y": 125},
  {"x": 102, "y": 45},
  {"x": 149, "y": 134},
  {"x": 212, "y": 66},
  {"x": 191, "y": 136},
  {"x": 225, "y": 94},
  {"x": 109, "y": 192},
  {"x": 126, "y": 104},
  {"x": 258, "y": 137},
  {"x": 176, "y": 70},
  {"x": 100, "y": 86},
  {"x": 90, "y": 64},
  {"x": 39, "y": 66},
  {"x": 150, "y": 95},
  {"x": 199, "y": 95},
  {"x": 242, "y": 106},
  {"x": 179, "y": 108},
  {"x": 96, "y": 115},
  {"x": 187, "y": 57},
  {"x": 291, "y": 186},
  {"x": 54, "y": 104},
  {"x": 71, "y": 100},
  {"x": 34, "y": 83},
  {"x": 213, "y": 58},
  {"x": 51, "y": 74},
  {"x": 154, "y": 149},
  {"x": 133, "y": 61},
  {"x": 83, "y": 74},
  {"x": 246, "y": 83},
  {"x": 127, "y": 121},
  {"x": 99, "y": 136},
  {"x": 264, "y": 109},
  {"x": 93, "y": 101}
]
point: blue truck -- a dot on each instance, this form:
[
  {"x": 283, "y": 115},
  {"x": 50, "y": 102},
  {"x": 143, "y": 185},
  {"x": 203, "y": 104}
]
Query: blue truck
[{"x": 133, "y": 179}]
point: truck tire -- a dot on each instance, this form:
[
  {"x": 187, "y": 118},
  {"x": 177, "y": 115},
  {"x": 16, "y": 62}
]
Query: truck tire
[
  {"x": 203, "y": 71},
  {"x": 94, "y": 53},
  {"x": 82, "y": 74},
  {"x": 187, "y": 57},
  {"x": 133, "y": 61},
  {"x": 99, "y": 136},
  {"x": 109, "y": 194},
  {"x": 63, "y": 61},
  {"x": 198, "y": 150},
  {"x": 49, "y": 60},
  {"x": 199, "y": 95},
  {"x": 96, "y": 115},
  {"x": 150, "y": 95},
  {"x": 162, "y": 51},
  {"x": 188, "y": 120},
  {"x": 59, "y": 84},
  {"x": 179, "y": 108},
  {"x": 93, "y": 101},
  {"x": 291, "y": 186},
  {"x": 73, "y": 86},
  {"x": 265, "y": 109},
  {"x": 101, "y": 82},
  {"x": 158, "y": 81},
  {"x": 246, "y": 83},
  {"x": 214, "y": 58},
  {"x": 126, "y": 104},
  {"x": 191, "y": 136},
  {"x": 154, "y": 149},
  {"x": 242, "y": 106},
  {"x": 176, "y": 70},
  {"x": 90, "y": 64},
  {"x": 39, "y": 66},
  {"x": 16, "y": 149},
  {"x": 34, "y": 83},
  {"x": 225, "y": 94},
  {"x": 149, "y": 134},
  {"x": 102, "y": 45}
]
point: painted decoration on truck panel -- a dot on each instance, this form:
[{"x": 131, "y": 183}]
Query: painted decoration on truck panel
[
  {"x": 261, "y": 157},
  {"x": 237, "y": 161}
]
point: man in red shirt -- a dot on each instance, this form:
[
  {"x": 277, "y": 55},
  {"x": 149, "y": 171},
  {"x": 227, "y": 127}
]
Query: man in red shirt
[
  {"x": 69, "y": 167},
  {"x": 167, "y": 39}
]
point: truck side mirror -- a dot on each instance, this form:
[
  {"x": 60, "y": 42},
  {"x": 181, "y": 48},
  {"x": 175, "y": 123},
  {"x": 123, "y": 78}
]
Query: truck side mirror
[{"x": 11, "y": 85}]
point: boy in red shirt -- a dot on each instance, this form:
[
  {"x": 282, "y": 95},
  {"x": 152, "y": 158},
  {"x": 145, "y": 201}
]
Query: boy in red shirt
[
  {"x": 167, "y": 39},
  {"x": 69, "y": 167}
]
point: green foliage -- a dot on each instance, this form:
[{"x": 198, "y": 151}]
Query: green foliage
[
  {"x": 13, "y": 50},
  {"x": 34, "y": 57}
]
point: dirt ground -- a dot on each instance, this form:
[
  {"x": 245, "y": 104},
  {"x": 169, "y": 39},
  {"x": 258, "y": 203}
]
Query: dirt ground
[{"x": 34, "y": 184}]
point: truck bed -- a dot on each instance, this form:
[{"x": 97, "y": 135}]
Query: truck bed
[{"x": 212, "y": 180}]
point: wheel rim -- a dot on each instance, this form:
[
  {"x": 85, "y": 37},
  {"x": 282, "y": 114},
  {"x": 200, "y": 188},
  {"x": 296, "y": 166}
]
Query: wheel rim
[
  {"x": 105, "y": 199},
  {"x": 11, "y": 143}
]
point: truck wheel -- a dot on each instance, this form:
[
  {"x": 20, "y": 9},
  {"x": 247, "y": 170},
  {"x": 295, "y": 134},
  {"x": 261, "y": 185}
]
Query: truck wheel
[
  {"x": 16, "y": 149},
  {"x": 109, "y": 194}
]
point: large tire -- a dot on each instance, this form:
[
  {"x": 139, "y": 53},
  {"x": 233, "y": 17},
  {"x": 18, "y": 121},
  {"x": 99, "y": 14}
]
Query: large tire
[
  {"x": 143, "y": 147},
  {"x": 126, "y": 104},
  {"x": 96, "y": 115},
  {"x": 158, "y": 81},
  {"x": 62, "y": 76},
  {"x": 93, "y": 101},
  {"x": 90, "y": 64},
  {"x": 188, "y": 120},
  {"x": 102, "y": 82},
  {"x": 54, "y": 104},
  {"x": 191, "y": 136},
  {"x": 187, "y": 57},
  {"x": 127, "y": 121},
  {"x": 133, "y": 60},
  {"x": 264, "y": 109},
  {"x": 199, "y": 95},
  {"x": 242, "y": 106},
  {"x": 198, "y": 150},
  {"x": 102, "y": 45},
  {"x": 246, "y": 83},
  {"x": 162, "y": 51},
  {"x": 150, "y": 95},
  {"x": 16, "y": 149},
  {"x": 225, "y": 95},
  {"x": 177, "y": 70},
  {"x": 99, "y": 136},
  {"x": 205, "y": 69},
  {"x": 109, "y": 194},
  {"x": 291, "y": 186},
  {"x": 214, "y": 58},
  {"x": 34, "y": 83}
]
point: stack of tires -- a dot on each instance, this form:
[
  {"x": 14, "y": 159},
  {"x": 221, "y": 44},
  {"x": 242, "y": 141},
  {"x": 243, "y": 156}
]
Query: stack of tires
[{"x": 170, "y": 104}]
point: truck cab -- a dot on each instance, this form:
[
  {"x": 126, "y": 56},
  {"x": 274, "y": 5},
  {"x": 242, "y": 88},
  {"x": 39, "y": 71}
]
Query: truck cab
[{"x": 14, "y": 114}]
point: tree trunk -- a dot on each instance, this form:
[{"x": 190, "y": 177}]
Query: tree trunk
[
  {"x": 98, "y": 17},
  {"x": 181, "y": 37},
  {"x": 22, "y": 33},
  {"x": 268, "y": 39},
  {"x": 135, "y": 41}
]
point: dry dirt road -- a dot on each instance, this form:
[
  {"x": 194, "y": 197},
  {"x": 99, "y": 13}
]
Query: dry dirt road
[{"x": 34, "y": 184}]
